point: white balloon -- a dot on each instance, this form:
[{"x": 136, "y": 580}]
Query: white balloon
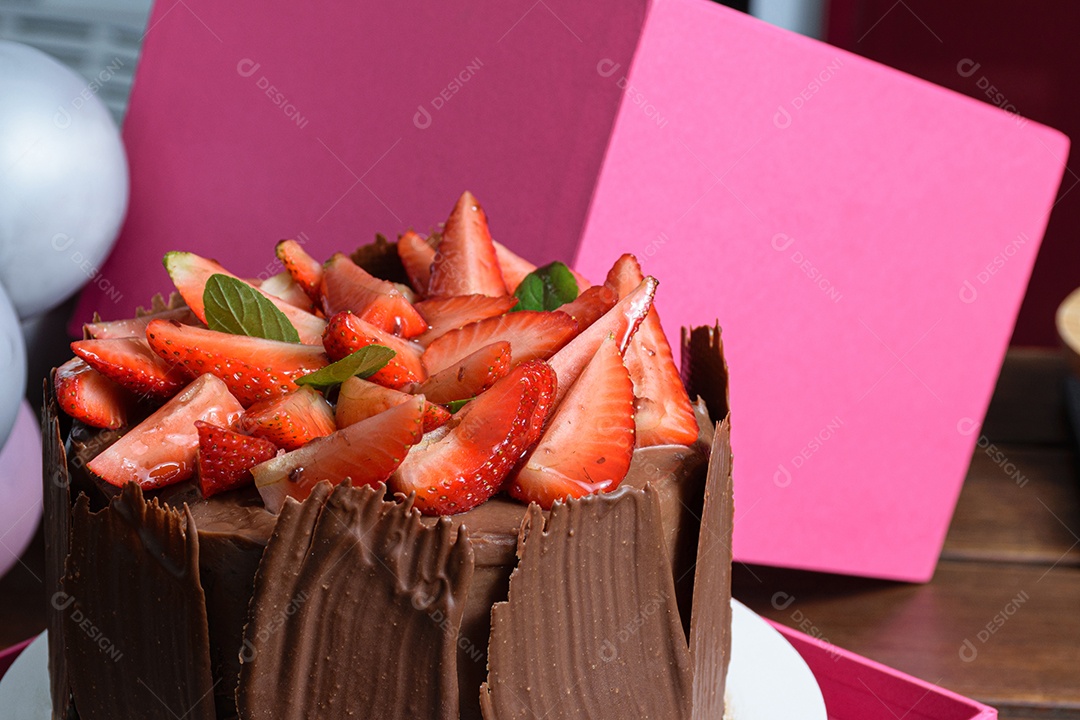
[
  {"x": 12, "y": 366},
  {"x": 63, "y": 180}
]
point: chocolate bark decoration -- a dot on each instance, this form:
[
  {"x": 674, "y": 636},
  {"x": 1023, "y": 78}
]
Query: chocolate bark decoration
[
  {"x": 710, "y": 623},
  {"x": 57, "y": 526},
  {"x": 381, "y": 259},
  {"x": 704, "y": 370},
  {"x": 591, "y": 629},
  {"x": 356, "y": 612},
  {"x": 134, "y": 613}
]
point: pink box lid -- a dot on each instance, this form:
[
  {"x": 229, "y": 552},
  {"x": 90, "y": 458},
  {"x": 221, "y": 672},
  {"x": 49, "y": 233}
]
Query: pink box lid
[{"x": 864, "y": 237}]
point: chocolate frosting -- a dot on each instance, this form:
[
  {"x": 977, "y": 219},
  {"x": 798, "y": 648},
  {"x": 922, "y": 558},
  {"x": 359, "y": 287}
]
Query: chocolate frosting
[
  {"x": 356, "y": 612},
  {"x": 591, "y": 629},
  {"x": 135, "y": 614},
  {"x": 710, "y": 622}
]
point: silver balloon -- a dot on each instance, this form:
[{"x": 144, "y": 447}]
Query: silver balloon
[{"x": 63, "y": 179}]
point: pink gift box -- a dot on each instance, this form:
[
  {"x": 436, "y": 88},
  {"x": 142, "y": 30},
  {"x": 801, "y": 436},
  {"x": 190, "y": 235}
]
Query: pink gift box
[{"x": 865, "y": 238}]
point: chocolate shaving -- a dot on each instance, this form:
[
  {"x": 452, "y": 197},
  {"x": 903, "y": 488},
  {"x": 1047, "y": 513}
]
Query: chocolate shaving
[
  {"x": 591, "y": 628},
  {"x": 356, "y": 612},
  {"x": 134, "y": 615},
  {"x": 710, "y": 620},
  {"x": 704, "y": 369},
  {"x": 380, "y": 258}
]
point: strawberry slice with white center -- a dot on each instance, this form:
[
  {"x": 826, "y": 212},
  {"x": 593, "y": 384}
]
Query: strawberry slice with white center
[
  {"x": 514, "y": 268},
  {"x": 533, "y": 335},
  {"x": 291, "y": 420},
  {"x": 590, "y": 305},
  {"x": 284, "y": 288},
  {"x": 664, "y": 413},
  {"x": 470, "y": 376},
  {"x": 346, "y": 333},
  {"x": 417, "y": 255},
  {"x": 359, "y": 399},
  {"x": 226, "y": 457},
  {"x": 304, "y": 269},
  {"x": 162, "y": 449},
  {"x": 87, "y": 395},
  {"x": 189, "y": 273},
  {"x": 465, "y": 261},
  {"x": 253, "y": 368},
  {"x": 136, "y": 327},
  {"x": 589, "y": 440},
  {"x": 457, "y": 470},
  {"x": 347, "y": 286},
  {"x": 131, "y": 363},
  {"x": 451, "y": 313},
  {"x": 620, "y": 322},
  {"x": 366, "y": 452}
]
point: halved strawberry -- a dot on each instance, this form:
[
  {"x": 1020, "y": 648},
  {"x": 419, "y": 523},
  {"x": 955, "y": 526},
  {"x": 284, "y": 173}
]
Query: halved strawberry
[
  {"x": 664, "y": 413},
  {"x": 161, "y": 450},
  {"x": 469, "y": 376},
  {"x": 589, "y": 440},
  {"x": 253, "y": 368},
  {"x": 458, "y": 470},
  {"x": 367, "y": 452},
  {"x": 416, "y": 255},
  {"x": 284, "y": 288},
  {"x": 131, "y": 363},
  {"x": 136, "y": 327},
  {"x": 304, "y": 269},
  {"x": 465, "y": 261},
  {"x": 347, "y": 286},
  {"x": 189, "y": 272},
  {"x": 450, "y": 313},
  {"x": 226, "y": 457},
  {"x": 620, "y": 322},
  {"x": 514, "y": 268},
  {"x": 360, "y": 399},
  {"x": 291, "y": 420},
  {"x": 532, "y": 336},
  {"x": 590, "y": 305},
  {"x": 346, "y": 333},
  {"x": 87, "y": 395}
]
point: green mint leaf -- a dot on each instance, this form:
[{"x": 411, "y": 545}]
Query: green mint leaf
[
  {"x": 546, "y": 288},
  {"x": 454, "y": 405},
  {"x": 363, "y": 363},
  {"x": 235, "y": 307}
]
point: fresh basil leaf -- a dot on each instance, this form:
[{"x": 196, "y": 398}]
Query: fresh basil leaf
[
  {"x": 235, "y": 307},
  {"x": 546, "y": 288},
  {"x": 454, "y": 405},
  {"x": 363, "y": 363}
]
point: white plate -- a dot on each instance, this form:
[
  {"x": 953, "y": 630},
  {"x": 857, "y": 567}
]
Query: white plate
[{"x": 767, "y": 680}]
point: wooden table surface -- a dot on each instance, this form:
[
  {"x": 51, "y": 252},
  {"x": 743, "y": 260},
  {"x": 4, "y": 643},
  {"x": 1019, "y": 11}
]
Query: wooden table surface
[{"x": 1000, "y": 622}]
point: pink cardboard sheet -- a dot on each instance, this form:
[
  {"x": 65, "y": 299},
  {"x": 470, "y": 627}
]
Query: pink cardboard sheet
[{"x": 864, "y": 239}]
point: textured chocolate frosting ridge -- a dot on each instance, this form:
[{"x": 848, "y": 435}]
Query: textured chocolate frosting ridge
[
  {"x": 356, "y": 612},
  {"x": 591, "y": 629},
  {"x": 710, "y": 620},
  {"x": 134, "y": 611}
]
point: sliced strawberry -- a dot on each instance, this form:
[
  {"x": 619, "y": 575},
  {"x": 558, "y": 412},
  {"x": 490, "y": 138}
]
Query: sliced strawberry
[
  {"x": 470, "y": 376},
  {"x": 458, "y": 470},
  {"x": 664, "y": 413},
  {"x": 131, "y": 363},
  {"x": 136, "y": 327},
  {"x": 290, "y": 420},
  {"x": 87, "y": 395},
  {"x": 253, "y": 368},
  {"x": 347, "y": 286},
  {"x": 416, "y": 255},
  {"x": 226, "y": 457},
  {"x": 591, "y": 305},
  {"x": 162, "y": 449},
  {"x": 589, "y": 440},
  {"x": 346, "y": 333},
  {"x": 532, "y": 336},
  {"x": 367, "y": 452},
  {"x": 304, "y": 269},
  {"x": 514, "y": 268},
  {"x": 360, "y": 399},
  {"x": 465, "y": 261},
  {"x": 620, "y": 322},
  {"x": 450, "y": 313},
  {"x": 284, "y": 288},
  {"x": 189, "y": 272}
]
